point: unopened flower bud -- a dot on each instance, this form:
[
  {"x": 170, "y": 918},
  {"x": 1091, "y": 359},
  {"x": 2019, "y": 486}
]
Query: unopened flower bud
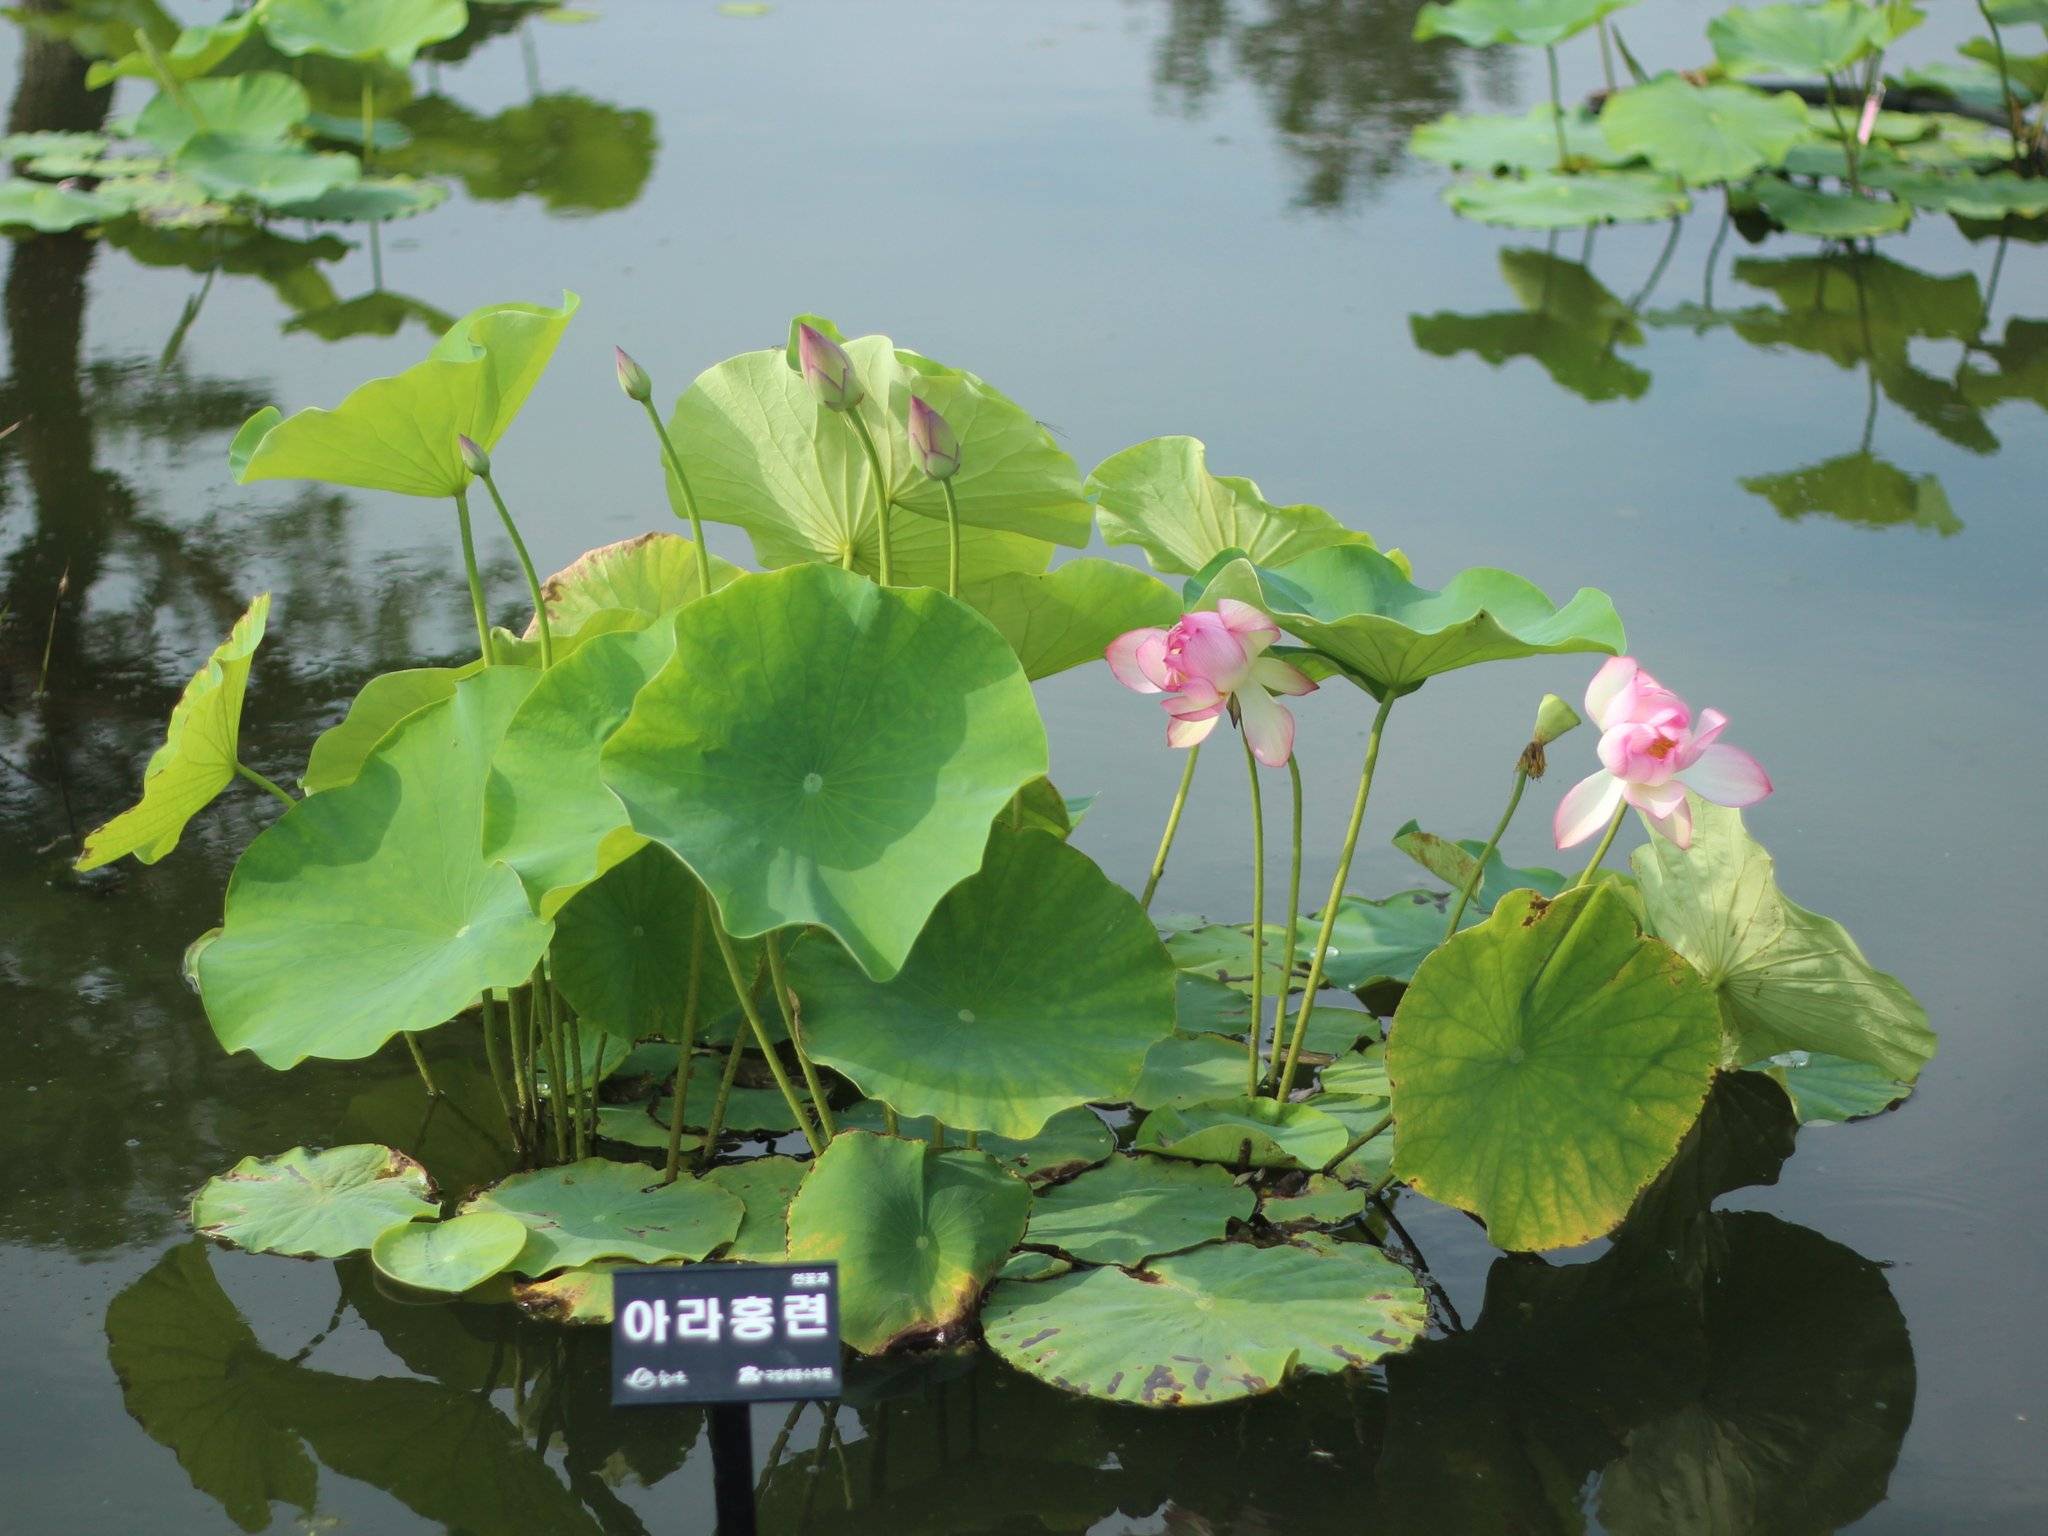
[
  {"x": 828, "y": 370},
  {"x": 632, "y": 377},
  {"x": 474, "y": 459},
  {"x": 932, "y": 441}
]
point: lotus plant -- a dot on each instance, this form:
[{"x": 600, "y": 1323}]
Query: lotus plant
[
  {"x": 936, "y": 447},
  {"x": 828, "y": 370},
  {"x": 637, "y": 386}
]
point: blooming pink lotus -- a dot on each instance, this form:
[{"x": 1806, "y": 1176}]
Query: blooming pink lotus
[
  {"x": 1210, "y": 662},
  {"x": 1651, "y": 754}
]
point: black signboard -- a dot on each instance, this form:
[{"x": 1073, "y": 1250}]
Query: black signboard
[{"x": 725, "y": 1333}]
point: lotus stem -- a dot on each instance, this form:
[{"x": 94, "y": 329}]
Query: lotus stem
[
  {"x": 369, "y": 121},
  {"x": 867, "y": 441},
  {"x": 1360, "y": 1140},
  {"x": 534, "y": 1047},
  {"x": 419, "y": 1059},
  {"x": 1329, "y": 923},
  {"x": 1850, "y": 146},
  {"x": 753, "y": 1013},
  {"x": 675, "y": 466},
  {"x": 515, "y": 1032},
  {"x": 245, "y": 771},
  {"x": 1479, "y": 874},
  {"x": 1293, "y": 920},
  {"x": 494, "y": 1052},
  {"x": 540, "y": 607},
  {"x": 692, "y": 999},
  {"x": 1557, "y": 106},
  {"x": 1180, "y": 802},
  {"x": 596, "y": 1077},
  {"x": 974, "y": 1141},
  {"x": 952, "y": 539},
  {"x": 889, "y": 1126},
  {"x": 715, "y": 1125},
  {"x": 1606, "y": 54},
  {"x": 572, "y": 1047},
  {"x": 938, "y": 1134},
  {"x": 2012, "y": 113},
  {"x": 1380, "y": 1186},
  {"x": 168, "y": 79},
  {"x": 786, "y": 1002},
  {"x": 1606, "y": 842},
  {"x": 558, "y": 1075},
  {"x": 476, "y": 581},
  {"x": 1251, "y": 1039}
]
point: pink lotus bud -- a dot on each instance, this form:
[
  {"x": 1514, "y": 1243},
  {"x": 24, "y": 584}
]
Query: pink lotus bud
[
  {"x": 632, "y": 377},
  {"x": 828, "y": 370},
  {"x": 932, "y": 441},
  {"x": 474, "y": 459}
]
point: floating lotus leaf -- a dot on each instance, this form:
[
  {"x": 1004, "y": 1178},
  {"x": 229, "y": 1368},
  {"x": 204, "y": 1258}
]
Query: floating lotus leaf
[
  {"x": 635, "y": 1125},
  {"x": 1830, "y": 1089},
  {"x": 1190, "y": 1069},
  {"x": 1244, "y": 1133},
  {"x": 1026, "y": 1265},
  {"x": 393, "y": 31},
  {"x": 1546, "y": 1066},
  {"x": 746, "y": 1109},
  {"x": 1803, "y": 41},
  {"x": 369, "y": 909},
  {"x": 1072, "y": 1140},
  {"x": 398, "y": 433},
  {"x": 1225, "y": 1321},
  {"x": 313, "y": 1204},
  {"x": 1389, "y": 635},
  {"x": 1704, "y": 133},
  {"x": 1358, "y": 1114},
  {"x": 1362, "y": 1074},
  {"x": 1203, "y": 1004},
  {"x": 576, "y": 1298},
  {"x": 765, "y": 1186},
  {"x": 1511, "y": 143},
  {"x": 1333, "y": 1028},
  {"x": 652, "y": 574},
  {"x": 1065, "y": 617},
  {"x": 1966, "y": 194},
  {"x": 273, "y": 175},
  {"x": 450, "y": 1255},
  {"x": 1136, "y": 1208},
  {"x": 1830, "y": 215},
  {"x": 916, "y": 1233},
  {"x": 1484, "y": 22},
  {"x": 370, "y": 200},
  {"x": 258, "y": 107},
  {"x": 1456, "y": 863},
  {"x": 1786, "y": 979},
  {"x": 623, "y": 946},
  {"x": 198, "y": 757},
  {"x": 1376, "y": 942},
  {"x": 1161, "y": 497},
  {"x": 1223, "y": 952},
  {"x": 595, "y": 1209},
  {"x": 1320, "y": 1202},
  {"x": 821, "y": 750}
]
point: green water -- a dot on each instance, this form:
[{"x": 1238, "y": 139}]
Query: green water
[{"x": 1814, "y": 486}]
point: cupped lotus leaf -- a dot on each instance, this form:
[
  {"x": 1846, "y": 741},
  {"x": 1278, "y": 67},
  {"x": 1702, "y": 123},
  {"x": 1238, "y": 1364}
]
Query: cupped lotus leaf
[
  {"x": 821, "y": 750},
  {"x": 193, "y": 53},
  {"x": 1482, "y": 23},
  {"x": 594, "y": 1209},
  {"x": 371, "y": 200},
  {"x": 1224, "y": 1321},
  {"x": 1065, "y": 617},
  {"x": 1547, "y": 1064},
  {"x": 1550, "y": 201},
  {"x": 1830, "y": 215},
  {"x": 369, "y": 909},
  {"x": 1320, "y": 1202},
  {"x": 1704, "y": 133},
  {"x": 651, "y": 574},
  {"x": 340, "y": 751},
  {"x": 547, "y": 813},
  {"x": 393, "y": 31},
  {"x": 1160, "y": 496},
  {"x": 449, "y": 1256},
  {"x": 271, "y": 175},
  {"x": 1455, "y": 863},
  {"x": 398, "y": 433},
  {"x": 313, "y": 1204},
  {"x": 1071, "y": 1140},
  {"x": 625, "y": 944},
  {"x": 1244, "y": 1133},
  {"x": 197, "y": 760},
  {"x": 1135, "y": 1208},
  {"x": 916, "y": 1234},
  {"x": 765, "y": 1186},
  {"x": 1190, "y": 1069},
  {"x": 1803, "y": 41},
  {"x": 998, "y": 1020},
  {"x": 1391, "y": 636},
  {"x": 259, "y": 107},
  {"x": 1786, "y": 979},
  {"x": 1831, "y": 1089},
  {"x": 1515, "y": 143}
]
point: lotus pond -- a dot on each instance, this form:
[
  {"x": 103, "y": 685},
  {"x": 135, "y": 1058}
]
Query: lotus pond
[{"x": 1455, "y": 1122}]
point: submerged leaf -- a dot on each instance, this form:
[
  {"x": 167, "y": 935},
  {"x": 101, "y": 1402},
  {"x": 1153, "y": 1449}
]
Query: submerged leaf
[{"x": 314, "y": 1204}]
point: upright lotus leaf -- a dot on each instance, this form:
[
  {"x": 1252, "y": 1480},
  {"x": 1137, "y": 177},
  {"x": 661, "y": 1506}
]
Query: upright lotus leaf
[
  {"x": 393, "y": 31},
  {"x": 398, "y": 433},
  {"x": 271, "y": 175},
  {"x": 259, "y": 107},
  {"x": 1224, "y": 1321},
  {"x": 1001, "y": 1017},
  {"x": 1244, "y": 1133},
  {"x": 198, "y": 757},
  {"x": 1390, "y": 636},
  {"x": 820, "y": 750},
  {"x": 1786, "y": 979},
  {"x": 1543, "y": 200},
  {"x": 1704, "y": 133},
  {"x": 765, "y": 1186},
  {"x": 1161, "y": 497},
  {"x": 193, "y": 53},
  {"x": 651, "y": 574},
  {"x": 313, "y": 1204},
  {"x": 370, "y": 909},
  {"x": 1524, "y": 142},
  {"x": 1135, "y": 1208},
  {"x": 1454, "y": 863},
  {"x": 1831, "y": 1089},
  {"x": 916, "y": 1234},
  {"x": 449, "y": 1256},
  {"x": 595, "y": 1209},
  {"x": 1803, "y": 41},
  {"x": 1039, "y": 804},
  {"x": 1481, "y": 23},
  {"x": 1071, "y": 1140},
  {"x": 1065, "y": 617},
  {"x": 340, "y": 751},
  {"x": 1546, "y": 1065}
]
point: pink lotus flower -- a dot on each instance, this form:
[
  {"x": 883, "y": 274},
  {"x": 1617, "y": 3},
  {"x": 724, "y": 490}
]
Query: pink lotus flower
[
  {"x": 1210, "y": 662},
  {"x": 1651, "y": 754}
]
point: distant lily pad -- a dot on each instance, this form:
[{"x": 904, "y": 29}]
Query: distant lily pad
[
  {"x": 1241, "y": 1132},
  {"x": 450, "y": 1255},
  {"x": 1549, "y": 201},
  {"x": 765, "y": 1186},
  {"x": 595, "y": 1209},
  {"x": 1704, "y": 133},
  {"x": 367, "y": 200},
  {"x": 1222, "y": 952},
  {"x": 313, "y": 1204},
  {"x": 255, "y": 171},
  {"x": 1135, "y": 1208},
  {"x": 1484, "y": 22},
  {"x": 1966, "y": 194},
  {"x": 1527, "y": 142},
  {"x": 1072, "y": 1140}
]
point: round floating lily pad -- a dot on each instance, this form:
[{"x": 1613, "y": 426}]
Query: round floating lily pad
[
  {"x": 596, "y": 1209},
  {"x": 633, "y": 1125},
  {"x": 1257, "y": 1133},
  {"x": 1481, "y": 23},
  {"x": 1004, "y": 1013},
  {"x": 1828, "y": 1089},
  {"x": 1190, "y": 1069},
  {"x": 313, "y": 1204},
  {"x": 1829, "y": 215},
  {"x": 1135, "y": 1208},
  {"x": 765, "y": 1186},
  {"x": 1375, "y": 942},
  {"x": 450, "y": 1255},
  {"x": 1203, "y": 1004},
  {"x": 1362, "y": 1074},
  {"x": 1071, "y": 1140},
  {"x": 1704, "y": 133},
  {"x": 1548, "y": 201},
  {"x": 270, "y": 175},
  {"x": 1514, "y": 143},
  {"x": 1546, "y": 1066},
  {"x": 1322, "y": 1201},
  {"x": 1224, "y": 1321},
  {"x": 916, "y": 1233}
]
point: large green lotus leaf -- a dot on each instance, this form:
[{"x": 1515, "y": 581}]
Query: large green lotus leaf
[
  {"x": 1803, "y": 41},
  {"x": 1546, "y": 1065},
  {"x": 1786, "y": 979},
  {"x": 1320, "y": 1202},
  {"x": 763, "y": 454},
  {"x": 1064, "y": 617},
  {"x": 193, "y": 53},
  {"x": 1966, "y": 194},
  {"x": 821, "y": 750},
  {"x": 1244, "y": 1133},
  {"x": 651, "y": 574},
  {"x": 51, "y": 210},
  {"x": 198, "y": 757},
  {"x": 1484, "y": 22},
  {"x": 1510, "y": 143},
  {"x": 1455, "y": 863},
  {"x": 1071, "y": 1140},
  {"x": 1223, "y": 952},
  {"x": 765, "y": 1186},
  {"x": 1161, "y": 497},
  {"x": 1545, "y": 200},
  {"x": 999, "y": 1020},
  {"x": 398, "y": 433},
  {"x": 340, "y": 751},
  {"x": 916, "y": 1234},
  {"x": 1190, "y": 1069},
  {"x": 257, "y": 171},
  {"x": 1135, "y": 1208},
  {"x": 258, "y": 107},
  {"x": 1389, "y": 635},
  {"x": 1831, "y": 1089},
  {"x": 393, "y": 31},
  {"x": 1225, "y": 1321},
  {"x": 1860, "y": 488},
  {"x": 369, "y": 909},
  {"x": 313, "y": 1204},
  {"x": 595, "y": 1209},
  {"x": 1704, "y": 134},
  {"x": 449, "y": 1256},
  {"x": 547, "y": 812},
  {"x": 1829, "y": 215}
]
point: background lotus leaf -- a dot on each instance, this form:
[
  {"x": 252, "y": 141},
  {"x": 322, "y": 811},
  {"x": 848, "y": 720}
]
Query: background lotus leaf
[
  {"x": 391, "y": 30},
  {"x": 1524, "y": 142},
  {"x": 1803, "y": 41},
  {"x": 316, "y": 1204},
  {"x": 1070, "y": 1141},
  {"x": 1831, "y": 1089},
  {"x": 258, "y": 107},
  {"x": 234, "y": 170},
  {"x": 1550, "y": 201},
  {"x": 651, "y": 574},
  {"x": 623, "y": 950},
  {"x": 1704, "y": 133},
  {"x": 765, "y": 1186},
  {"x": 1483, "y": 22},
  {"x": 1136, "y": 1208},
  {"x": 595, "y": 1209},
  {"x": 450, "y": 1255},
  {"x": 1240, "y": 1133},
  {"x": 1065, "y": 617}
]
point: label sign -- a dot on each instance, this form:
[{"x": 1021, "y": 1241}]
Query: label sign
[{"x": 725, "y": 1333}]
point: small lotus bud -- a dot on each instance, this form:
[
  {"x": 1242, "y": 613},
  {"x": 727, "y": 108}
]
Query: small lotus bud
[
  {"x": 1554, "y": 718},
  {"x": 632, "y": 377},
  {"x": 828, "y": 370},
  {"x": 474, "y": 459},
  {"x": 932, "y": 441}
]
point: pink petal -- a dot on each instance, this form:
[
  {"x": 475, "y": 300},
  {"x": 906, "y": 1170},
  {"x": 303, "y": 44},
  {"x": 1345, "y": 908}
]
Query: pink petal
[
  {"x": 1586, "y": 808},
  {"x": 1677, "y": 826},
  {"x": 1202, "y": 647},
  {"x": 1610, "y": 683},
  {"x": 1189, "y": 733},
  {"x": 1137, "y": 657},
  {"x": 1277, "y": 676},
  {"x": 1712, "y": 724},
  {"x": 1181, "y": 707},
  {"x": 1727, "y": 776},
  {"x": 1653, "y": 799},
  {"x": 1268, "y": 725},
  {"x": 1243, "y": 620}
]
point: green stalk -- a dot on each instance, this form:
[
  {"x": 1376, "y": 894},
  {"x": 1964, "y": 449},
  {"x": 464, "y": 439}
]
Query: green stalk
[
  {"x": 1329, "y": 924},
  {"x": 1851, "y": 149},
  {"x": 1479, "y": 874},
  {"x": 952, "y": 539},
  {"x": 775, "y": 1067},
  {"x": 2012, "y": 112},
  {"x": 261, "y": 782},
  {"x": 716, "y": 1124},
  {"x": 692, "y": 999},
  {"x": 675, "y": 467},
  {"x": 888, "y": 1121},
  {"x": 369, "y": 121},
  {"x": 1360, "y": 1140},
  {"x": 1180, "y": 801},
  {"x": 1557, "y": 107},
  {"x": 794, "y": 1026},
  {"x": 1606, "y": 55},
  {"x": 534, "y": 1047},
  {"x": 412, "y": 1043},
  {"x": 1293, "y": 917},
  {"x": 1380, "y": 1187},
  {"x": 515, "y": 1031},
  {"x": 1251, "y": 1039},
  {"x": 572, "y": 1047},
  {"x": 867, "y": 441},
  {"x": 974, "y": 1141},
  {"x": 540, "y": 607},
  {"x": 1606, "y": 842},
  {"x": 494, "y": 1052},
  {"x": 558, "y": 1075},
  {"x": 938, "y": 1134},
  {"x": 476, "y": 581}
]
